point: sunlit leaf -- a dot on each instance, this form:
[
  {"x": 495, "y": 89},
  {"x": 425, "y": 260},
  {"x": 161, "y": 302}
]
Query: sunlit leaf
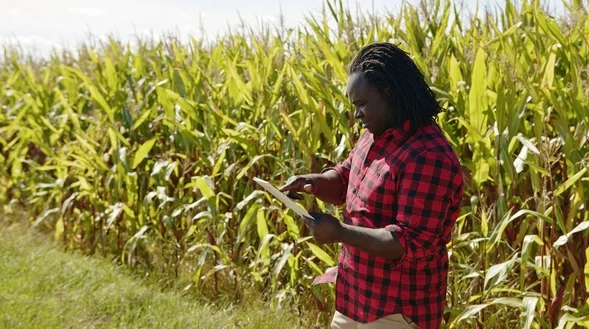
[
  {"x": 261, "y": 223},
  {"x": 321, "y": 254},
  {"x": 498, "y": 272},
  {"x": 142, "y": 152},
  {"x": 206, "y": 186},
  {"x": 564, "y": 238},
  {"x": 569, "y": 182},
  {"x": 529, "y": 311}
]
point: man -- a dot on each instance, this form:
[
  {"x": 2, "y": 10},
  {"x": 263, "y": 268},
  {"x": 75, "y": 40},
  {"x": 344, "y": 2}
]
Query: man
[{"x": 402, "y": 185}]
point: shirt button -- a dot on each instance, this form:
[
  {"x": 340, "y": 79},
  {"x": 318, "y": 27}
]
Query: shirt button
[{"x": 355, "y": 191}]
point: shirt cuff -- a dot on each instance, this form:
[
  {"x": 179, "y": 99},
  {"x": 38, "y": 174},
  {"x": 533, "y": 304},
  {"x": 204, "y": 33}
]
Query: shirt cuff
[
  {"x": 411, "y": 250},
  {"x": 398, "y": 232}
]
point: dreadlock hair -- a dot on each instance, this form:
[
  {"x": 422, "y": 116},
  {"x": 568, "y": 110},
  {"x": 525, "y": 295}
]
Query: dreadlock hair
[{"x": 390, "y": 70}]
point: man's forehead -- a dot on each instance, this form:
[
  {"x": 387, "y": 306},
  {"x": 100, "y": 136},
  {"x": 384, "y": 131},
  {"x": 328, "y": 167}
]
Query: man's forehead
[
  {"x": 354, "y": 83},
  {"x": 357, "y": 85}
]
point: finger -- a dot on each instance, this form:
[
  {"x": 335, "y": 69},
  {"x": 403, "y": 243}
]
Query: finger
[
  {"x": 293, "y": 195},
  {"x": 292, "y": 183},
  {"x": 316, "y": 215},
  {"x": 309, "y": 188}
]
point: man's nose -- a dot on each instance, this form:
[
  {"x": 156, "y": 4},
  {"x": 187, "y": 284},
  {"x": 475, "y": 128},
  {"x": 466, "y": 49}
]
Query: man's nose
[{"x": 358, "y": 114}]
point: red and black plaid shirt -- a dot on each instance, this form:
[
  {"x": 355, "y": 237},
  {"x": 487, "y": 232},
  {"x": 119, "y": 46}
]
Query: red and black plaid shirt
[{"x": 412, "y": 185}]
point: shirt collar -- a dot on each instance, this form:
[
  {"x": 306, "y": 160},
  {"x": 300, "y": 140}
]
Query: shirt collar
[{"x": 397, "y": 133}]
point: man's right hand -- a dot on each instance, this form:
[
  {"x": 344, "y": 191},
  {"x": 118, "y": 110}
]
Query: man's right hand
[
  {"x": 302, "y": 183},
  {"x": 326, "y": 186}
]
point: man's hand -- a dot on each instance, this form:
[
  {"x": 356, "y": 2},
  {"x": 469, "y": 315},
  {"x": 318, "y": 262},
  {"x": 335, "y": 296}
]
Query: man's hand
[
  {"x": 375, "y": 241},
  {"x": 303, "y": 183},
  {"x": 325, "y": 228},
  {"x": 327, "y": 186}
]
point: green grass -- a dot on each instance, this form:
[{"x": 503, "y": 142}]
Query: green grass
[{"x": 42, "y": 287}]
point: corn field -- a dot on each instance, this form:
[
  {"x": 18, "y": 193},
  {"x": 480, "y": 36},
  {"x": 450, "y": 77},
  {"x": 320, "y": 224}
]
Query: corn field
[{"x": 145, "y": 152}]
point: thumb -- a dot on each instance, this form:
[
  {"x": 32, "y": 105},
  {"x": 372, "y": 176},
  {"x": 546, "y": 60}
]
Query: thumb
[{"x": 309, "y": 188}]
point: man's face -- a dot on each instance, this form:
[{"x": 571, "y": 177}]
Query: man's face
[{"x": 370, "y": 107}]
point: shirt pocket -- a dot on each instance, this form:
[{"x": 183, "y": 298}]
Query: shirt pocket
[{"x": 377, "y": 192}]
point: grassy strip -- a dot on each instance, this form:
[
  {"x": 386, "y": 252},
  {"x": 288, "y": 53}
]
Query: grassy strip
[{"x": 42, "y": 287}]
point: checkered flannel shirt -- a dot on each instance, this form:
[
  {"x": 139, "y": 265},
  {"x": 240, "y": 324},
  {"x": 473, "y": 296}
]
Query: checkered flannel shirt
[{"x": 411, "y": 185}]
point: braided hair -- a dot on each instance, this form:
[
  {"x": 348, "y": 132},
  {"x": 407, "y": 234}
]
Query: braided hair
[{"x": 390, "y": 70}]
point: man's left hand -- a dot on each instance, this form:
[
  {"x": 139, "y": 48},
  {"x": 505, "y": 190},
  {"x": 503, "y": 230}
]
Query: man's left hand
[{"x": 325, "y": 228}]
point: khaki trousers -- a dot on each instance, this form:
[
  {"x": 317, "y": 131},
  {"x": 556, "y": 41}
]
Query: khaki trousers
[{"x": 395, "y": 321}]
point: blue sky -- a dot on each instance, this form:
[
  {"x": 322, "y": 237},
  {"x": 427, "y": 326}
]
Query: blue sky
[{"x": 43, "y": 24}]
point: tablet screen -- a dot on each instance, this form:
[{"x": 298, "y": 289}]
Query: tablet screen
[{"x": 282, "y": 197}]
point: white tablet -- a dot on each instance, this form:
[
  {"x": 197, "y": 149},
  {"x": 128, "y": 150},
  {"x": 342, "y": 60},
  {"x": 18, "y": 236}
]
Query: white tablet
[{"x": 282, "y": 197}]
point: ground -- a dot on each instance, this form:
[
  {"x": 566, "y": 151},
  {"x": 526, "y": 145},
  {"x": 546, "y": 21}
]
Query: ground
[{"x": 42, "y": 286}]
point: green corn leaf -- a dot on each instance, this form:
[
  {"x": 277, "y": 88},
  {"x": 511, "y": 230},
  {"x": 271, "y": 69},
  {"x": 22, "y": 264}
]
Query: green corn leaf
[
  {"x": 253, "y": 196},
  {"x": 586, "y": 269},
  {"x": 478, "y": 95},
  {"x": 529, "y": 311},
  {"x": 142, "y": 152},
  {"x": 498, "y": 272},
  {"x": 286, "y": 255},
  {"x": 206, "y": 187},
  {"x": 261, "y": 223},
  {"x": 321, "y": 254},
  {"x": 263, "y": 254},
  {"x": 469, "y": 312},
  {"x": 569, "y": 182},
  {"x": 291, "y": 226},
  {"x": 564, "y": 238},
  {"x": 548, "y": 78},
  {"x": 245, "y": 221},
  {"x": 111, "y": 74},
  {"x": 142, "y": 119}
]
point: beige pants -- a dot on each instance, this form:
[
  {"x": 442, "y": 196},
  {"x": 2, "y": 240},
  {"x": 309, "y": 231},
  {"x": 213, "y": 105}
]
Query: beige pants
[{"x": 395, "y": 321}]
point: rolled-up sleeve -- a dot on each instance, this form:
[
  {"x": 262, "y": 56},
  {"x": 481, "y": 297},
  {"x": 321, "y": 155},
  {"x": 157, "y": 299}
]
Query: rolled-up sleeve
[{"x": 428, "y": 188}]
